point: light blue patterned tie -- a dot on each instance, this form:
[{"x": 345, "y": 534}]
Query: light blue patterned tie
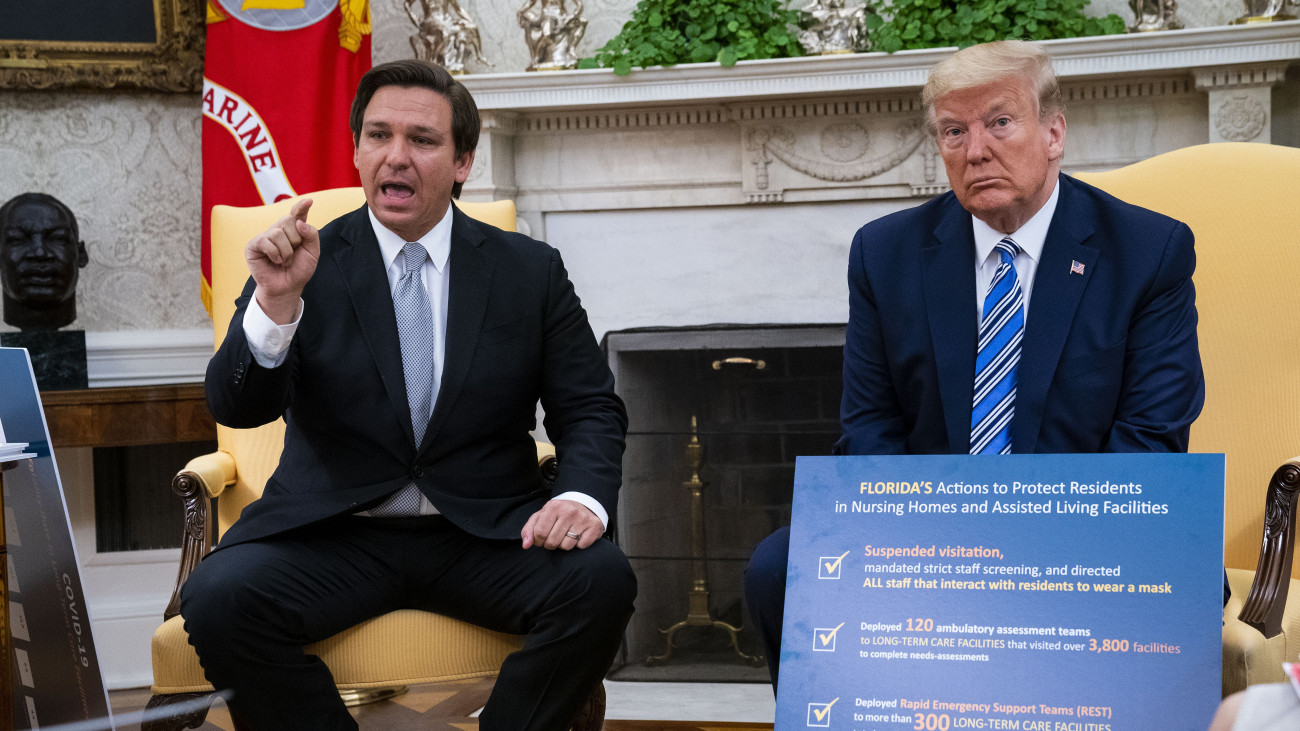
[
  {"x": 415, "y": 329},
  {"x": 1002, "y": 326}
]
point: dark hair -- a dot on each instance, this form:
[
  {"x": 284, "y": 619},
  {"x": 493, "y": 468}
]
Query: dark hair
[
  {"x": 44, "y": 199},
  {"x": 412, "y": 73}
]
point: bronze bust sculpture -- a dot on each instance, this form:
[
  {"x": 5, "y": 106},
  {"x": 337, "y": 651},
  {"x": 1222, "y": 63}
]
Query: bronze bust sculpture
[{"x": 40, "y": 255}]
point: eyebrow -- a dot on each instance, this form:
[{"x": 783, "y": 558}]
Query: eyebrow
[
  {"x": 416, "y": 129},
  {"x": 1000, "y": 106},
  {"x": 27, "y": 233}
]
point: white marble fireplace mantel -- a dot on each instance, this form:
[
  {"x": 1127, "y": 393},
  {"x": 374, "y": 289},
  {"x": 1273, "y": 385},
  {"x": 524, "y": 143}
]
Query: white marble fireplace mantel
[
  {"x": 846, "y": 126},
  {"x": 1115, "y": 56},
  {"x": 699, "y": 194}
]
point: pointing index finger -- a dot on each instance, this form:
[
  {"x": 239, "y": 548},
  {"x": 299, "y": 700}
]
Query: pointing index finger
[{"x": 299, "y": 210}]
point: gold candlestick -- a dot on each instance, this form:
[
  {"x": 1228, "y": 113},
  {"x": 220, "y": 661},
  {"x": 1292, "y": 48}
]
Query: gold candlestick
[{"x": 697, "y": 614}]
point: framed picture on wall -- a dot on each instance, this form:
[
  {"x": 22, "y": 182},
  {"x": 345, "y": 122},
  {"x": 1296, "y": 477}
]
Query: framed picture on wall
[{"x": 154, "y": 45}]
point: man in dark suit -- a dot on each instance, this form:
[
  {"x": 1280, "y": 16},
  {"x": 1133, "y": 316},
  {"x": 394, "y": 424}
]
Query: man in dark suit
[
  {"x": 407, "y": 346},
  {"x": 1022, "y": 312}
]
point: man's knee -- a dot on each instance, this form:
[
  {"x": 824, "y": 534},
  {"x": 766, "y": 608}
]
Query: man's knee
[
  {"x": 767, "y": 566},
  {"x": 603, "y": 577},
  {"x": 219, "y": 600},
  {"x": 204, "y": 599}
]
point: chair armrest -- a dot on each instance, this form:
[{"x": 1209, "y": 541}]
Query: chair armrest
[
  {"x": 203, "y": 478},
  {"x": 548, "y": 463},
  {"x": 1266, "y": 602},
  {"x": 215, "y": 472}
]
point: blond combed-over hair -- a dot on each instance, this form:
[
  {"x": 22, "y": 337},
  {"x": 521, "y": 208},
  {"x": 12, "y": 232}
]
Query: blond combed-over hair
[{"x": 987, "y": 63}]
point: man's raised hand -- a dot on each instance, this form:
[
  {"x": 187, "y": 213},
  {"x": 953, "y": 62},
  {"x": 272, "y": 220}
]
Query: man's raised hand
[{"x": 282, "y": 260}]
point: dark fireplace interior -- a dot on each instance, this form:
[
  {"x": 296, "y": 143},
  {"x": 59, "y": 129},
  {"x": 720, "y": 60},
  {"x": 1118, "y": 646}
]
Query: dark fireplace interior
[{"x": 752, "y": 398}]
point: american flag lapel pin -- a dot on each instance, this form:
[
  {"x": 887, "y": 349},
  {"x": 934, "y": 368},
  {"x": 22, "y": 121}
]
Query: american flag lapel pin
[{"x": 1076, "y": 267}]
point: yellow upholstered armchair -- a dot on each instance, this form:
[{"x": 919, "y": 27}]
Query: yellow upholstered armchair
[
  {"x": 377, "y": 658},
  {"x": 1241, "y": 201}
]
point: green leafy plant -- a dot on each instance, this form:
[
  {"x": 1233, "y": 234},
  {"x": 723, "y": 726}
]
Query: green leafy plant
[
  {"x": 668, "y": 32},
  {"x": 894, "y": 25}
]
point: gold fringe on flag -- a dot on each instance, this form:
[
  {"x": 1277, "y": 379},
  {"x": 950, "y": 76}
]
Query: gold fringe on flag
[{"x": 356, "y": 23}]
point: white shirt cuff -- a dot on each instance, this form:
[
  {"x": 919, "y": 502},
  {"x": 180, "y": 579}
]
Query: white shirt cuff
[
  {"x": 588, "y": 502},
  {"x": 268, "y": 341}
]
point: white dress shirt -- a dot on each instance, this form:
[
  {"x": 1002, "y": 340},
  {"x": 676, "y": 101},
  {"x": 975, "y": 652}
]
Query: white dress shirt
[
  {"x": 1030, "y": 237},
  {"x": 269, "y": 342}
]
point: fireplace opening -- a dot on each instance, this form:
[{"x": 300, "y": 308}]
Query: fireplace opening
[{"x": 717, "y": 416}]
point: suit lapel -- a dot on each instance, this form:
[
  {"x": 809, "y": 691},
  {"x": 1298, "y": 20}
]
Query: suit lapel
[
  {"x": 467, "y": 298},
  {"x": 949, "y": 291},
  {"x": 361, "y": 268},
  {"x": 1054, "y": 301}
]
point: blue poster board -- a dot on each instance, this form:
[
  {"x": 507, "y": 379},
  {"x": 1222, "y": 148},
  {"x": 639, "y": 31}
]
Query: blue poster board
[{"x": 1039, "y": 592}]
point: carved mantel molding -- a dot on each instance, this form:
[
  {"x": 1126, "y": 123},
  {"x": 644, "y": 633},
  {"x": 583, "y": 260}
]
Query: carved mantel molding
[
  {"x": 1129, "y": 55},
  {"x": 1240, "y": 98}
]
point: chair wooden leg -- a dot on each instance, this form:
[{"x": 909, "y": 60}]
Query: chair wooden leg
[
  {"x": 190, "y": 717},
  {"x": 592, "y": 715}
]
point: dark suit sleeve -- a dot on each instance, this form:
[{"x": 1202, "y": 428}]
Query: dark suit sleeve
[
  {"x": 585, "y": 419},
  {"x": 1163, "y": 386},
  {"x": 241, "y": 393},
  {"x": 871, "y": 419}
]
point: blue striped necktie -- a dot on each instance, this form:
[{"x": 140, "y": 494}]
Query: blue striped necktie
[
  {"x": 1002, "y": 326},
  {"x": 415, "y": 330}
]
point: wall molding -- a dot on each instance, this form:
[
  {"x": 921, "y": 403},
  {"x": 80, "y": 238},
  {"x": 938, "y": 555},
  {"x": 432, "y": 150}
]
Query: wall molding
[{"x": 147, "y": 357}]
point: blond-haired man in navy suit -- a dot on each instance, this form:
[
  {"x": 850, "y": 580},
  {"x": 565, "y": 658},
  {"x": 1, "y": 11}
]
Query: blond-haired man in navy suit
[{"x": 1105, "y": 356}]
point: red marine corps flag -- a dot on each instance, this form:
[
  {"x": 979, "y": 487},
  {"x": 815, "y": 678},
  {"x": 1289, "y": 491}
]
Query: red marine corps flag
[{"x": 278, "y": 81}]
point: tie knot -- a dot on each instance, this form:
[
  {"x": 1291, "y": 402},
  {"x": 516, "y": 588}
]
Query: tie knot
[
  {"x": 414, "y": 255},
  {"x": 1007, "y": 250}
]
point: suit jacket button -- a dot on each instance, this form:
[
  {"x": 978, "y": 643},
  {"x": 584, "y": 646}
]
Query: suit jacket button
[{"x": 417, "y": 471}]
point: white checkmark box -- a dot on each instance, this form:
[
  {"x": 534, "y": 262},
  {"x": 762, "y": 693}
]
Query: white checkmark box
[
  {"x": 819, "y": 714},
  {"x": 824, "y": 638}
]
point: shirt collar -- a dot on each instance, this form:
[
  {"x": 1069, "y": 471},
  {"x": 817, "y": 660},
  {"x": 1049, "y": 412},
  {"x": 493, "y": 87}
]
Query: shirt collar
[
  {"x": 1030, "y": 237},
  {"x": 437, "y": 242}
]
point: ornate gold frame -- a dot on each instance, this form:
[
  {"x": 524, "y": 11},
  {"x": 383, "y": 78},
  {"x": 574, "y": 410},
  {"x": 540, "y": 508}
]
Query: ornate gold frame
[{"x": 174, "y": 63}]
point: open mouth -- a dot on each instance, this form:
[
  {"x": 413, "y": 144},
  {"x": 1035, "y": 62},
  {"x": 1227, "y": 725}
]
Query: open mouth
[{"x": 397, "y": 190}]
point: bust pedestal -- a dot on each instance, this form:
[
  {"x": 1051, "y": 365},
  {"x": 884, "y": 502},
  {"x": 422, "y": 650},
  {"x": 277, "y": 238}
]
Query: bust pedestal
[{"x": 58, "y": 356}]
